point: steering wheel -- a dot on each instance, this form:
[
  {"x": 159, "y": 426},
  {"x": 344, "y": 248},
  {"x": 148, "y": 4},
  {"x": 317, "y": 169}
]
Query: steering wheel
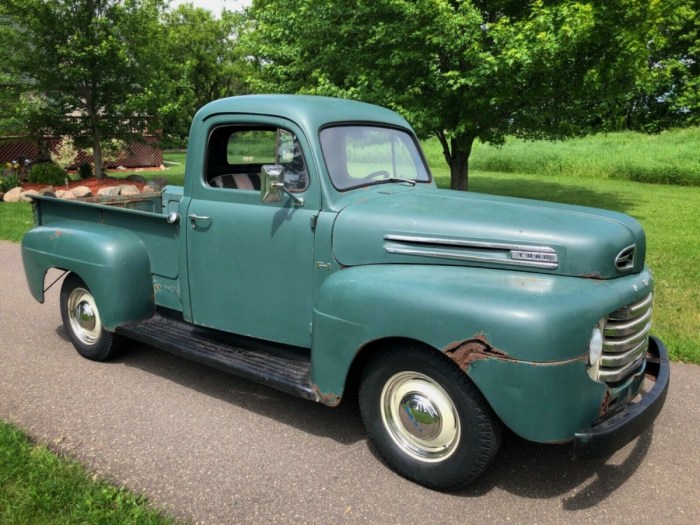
[{"x": 384, "y": 174}]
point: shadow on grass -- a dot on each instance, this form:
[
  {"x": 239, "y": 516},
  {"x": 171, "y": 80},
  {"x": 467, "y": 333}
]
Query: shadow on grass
[
  {"x": 523, "y": 468},
  {"x": 576, "y": 192}
]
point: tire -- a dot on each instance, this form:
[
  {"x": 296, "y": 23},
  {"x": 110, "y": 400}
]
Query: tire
[
  {"x": 426, "y": 418},
  {"x": 82, "y": 322}
]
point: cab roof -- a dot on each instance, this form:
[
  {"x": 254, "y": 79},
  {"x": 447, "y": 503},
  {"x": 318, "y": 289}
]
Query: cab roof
[{"x": 308, "y": 111}]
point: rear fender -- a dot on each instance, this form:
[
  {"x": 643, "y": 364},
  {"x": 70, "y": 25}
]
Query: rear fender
[{"x": 113, "y": 263}]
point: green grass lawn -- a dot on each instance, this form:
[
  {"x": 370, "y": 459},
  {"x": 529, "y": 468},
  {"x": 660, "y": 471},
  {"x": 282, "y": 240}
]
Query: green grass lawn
[
  {"x": 38, "y": 486},
  {"x": 671, "y": 157}
]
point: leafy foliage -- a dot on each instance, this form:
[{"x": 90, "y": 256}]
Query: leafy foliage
[
  {"x": 669, "y": 92},
  {"x": 47, "y": 173},
  {"x": 83, "y": 58},
  {"x": 65, "y": 153},
  {"x": 200, "y": 62},
  {"x": 85, "y": 171},
  {"x": 459, "y": 69}
]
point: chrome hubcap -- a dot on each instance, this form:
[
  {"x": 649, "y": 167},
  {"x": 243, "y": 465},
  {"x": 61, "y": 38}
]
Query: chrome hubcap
[
  {"x": 420, "y": 416},
  {"x": 84, "y": 318}
]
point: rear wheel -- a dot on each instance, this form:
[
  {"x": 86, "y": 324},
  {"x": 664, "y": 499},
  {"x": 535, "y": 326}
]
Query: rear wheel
[
  {"x": 426, "y": 418},
  {"x": 82, "y": 322}
]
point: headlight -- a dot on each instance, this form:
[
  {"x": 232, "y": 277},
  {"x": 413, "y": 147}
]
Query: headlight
[{"x": 595, "y": 351}]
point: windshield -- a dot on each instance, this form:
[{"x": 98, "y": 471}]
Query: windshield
[{"x": 363, "y": 155}]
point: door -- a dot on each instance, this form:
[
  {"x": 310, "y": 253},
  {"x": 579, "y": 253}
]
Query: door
[{"x": 250, "y": 264}]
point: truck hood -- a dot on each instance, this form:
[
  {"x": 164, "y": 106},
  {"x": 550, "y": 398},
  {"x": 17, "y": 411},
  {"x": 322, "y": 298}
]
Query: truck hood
[{"x": 430, "y": 226}]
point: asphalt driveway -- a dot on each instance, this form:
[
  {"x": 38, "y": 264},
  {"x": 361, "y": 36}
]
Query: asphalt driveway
[{"x": 212, "y": 448}]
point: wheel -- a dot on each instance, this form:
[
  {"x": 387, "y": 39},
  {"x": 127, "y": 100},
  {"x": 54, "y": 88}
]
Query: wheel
[
  {"x": 81, "y": 319},
  {"x": 426, "y": 418}
]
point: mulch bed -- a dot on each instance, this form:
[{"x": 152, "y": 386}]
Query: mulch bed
[{"x": 93, "y": 183}]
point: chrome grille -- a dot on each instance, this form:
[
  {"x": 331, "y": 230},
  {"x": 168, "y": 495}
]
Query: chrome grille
[{"x": 626, "y": 339}]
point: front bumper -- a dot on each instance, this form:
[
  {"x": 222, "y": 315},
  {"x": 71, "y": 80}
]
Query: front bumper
[{"x": 622, "y": 427}]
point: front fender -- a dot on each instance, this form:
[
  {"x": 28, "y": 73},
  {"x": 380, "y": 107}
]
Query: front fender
[
  {"x": 521, "y": 316},
  {"x": 113, "y": 263}
]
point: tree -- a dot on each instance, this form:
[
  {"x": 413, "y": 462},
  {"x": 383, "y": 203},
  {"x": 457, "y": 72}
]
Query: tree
[
  {"x": 668, "y": 94},
  {"x": 201, "y": 62},
  {"x": 459, "y": 69},
  {"x": 82, "y": 65}
]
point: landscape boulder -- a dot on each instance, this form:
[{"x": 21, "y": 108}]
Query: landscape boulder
[
  {"x": 109, "y": 192},
  {"x": 13, "y": 195},
  {"x": 26, "y": 196},
  {"x": 65, "y": 194},
  {"x": 129, "y": 189},
  {"x": 81, "y": 191}
]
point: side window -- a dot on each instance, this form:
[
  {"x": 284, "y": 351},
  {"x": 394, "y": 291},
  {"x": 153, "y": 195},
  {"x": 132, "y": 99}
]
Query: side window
[
  {"x": 248, "y": 147},
  {"x": 236, "y": 154}
]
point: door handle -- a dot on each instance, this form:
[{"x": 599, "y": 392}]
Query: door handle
[{"x": 194, "y": 218}]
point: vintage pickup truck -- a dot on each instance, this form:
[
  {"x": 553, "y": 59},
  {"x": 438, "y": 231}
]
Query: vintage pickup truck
[{"x": 311, "y": 250}]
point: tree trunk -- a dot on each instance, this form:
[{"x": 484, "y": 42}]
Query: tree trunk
[
  {"x": 457, "y": 153},
  {"x": 97, "y": 156},
  {"x": 459, "y": 170}
]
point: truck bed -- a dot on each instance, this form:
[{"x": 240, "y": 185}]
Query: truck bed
[{"x": 144, "y": 215}]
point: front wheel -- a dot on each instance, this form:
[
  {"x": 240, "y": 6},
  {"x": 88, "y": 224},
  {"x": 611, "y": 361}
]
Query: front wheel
[
  {"x": 82, "y": 322},
  {"x": 426, "y": 418}
]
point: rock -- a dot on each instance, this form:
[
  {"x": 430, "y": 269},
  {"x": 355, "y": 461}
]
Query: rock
[
  {"x": 161, "y": 182},
  {"x": 26, "y": 196},
  {"x": 13, "y": 195},
  {"x": 136, "y": 178},
  {"x": 48, "y": 189},
  {"x": 129, "y": 189},
  {"x": 109, "y": 192},
  {"x": 148, "y": 189},
  {"x": 65, "y": 194},
  {"x": 81, "y": 191}
]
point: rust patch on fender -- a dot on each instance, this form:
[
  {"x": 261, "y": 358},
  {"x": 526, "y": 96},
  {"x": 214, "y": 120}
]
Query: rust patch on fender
[
  {"x": 605, "y": 405},
  {"x": 467, "y": 351},
  {"x": 596, "y": 276},
  {"x": 329, "y": 399}
]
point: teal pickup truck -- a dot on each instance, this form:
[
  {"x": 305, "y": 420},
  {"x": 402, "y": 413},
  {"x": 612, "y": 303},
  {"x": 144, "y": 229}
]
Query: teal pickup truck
[{"x": 311, "y": 250}]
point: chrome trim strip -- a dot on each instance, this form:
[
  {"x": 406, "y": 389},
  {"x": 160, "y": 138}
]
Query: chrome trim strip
[
  {"x": 628, "y": 327},
  {"x": 618, "y": 360},
  {"x": 465, "y": 257},
  {"x": 622, "y": 345},
  {"x": 615, "y": 375},
  {"x": 469, "y": 244}
]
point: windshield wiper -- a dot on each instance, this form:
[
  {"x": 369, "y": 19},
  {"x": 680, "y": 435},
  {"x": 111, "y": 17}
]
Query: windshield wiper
[{"x": 396, "y": 179}]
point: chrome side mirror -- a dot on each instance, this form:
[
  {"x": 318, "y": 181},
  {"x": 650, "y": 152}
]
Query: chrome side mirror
[{"x": 272, "y": 185}]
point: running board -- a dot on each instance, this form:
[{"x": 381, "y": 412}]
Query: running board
[{"x": 285, "y": 368}]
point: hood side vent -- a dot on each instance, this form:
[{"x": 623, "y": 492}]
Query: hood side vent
[
  {"x": 624, "y": 262},
  {"x": 475, "y": 251}
]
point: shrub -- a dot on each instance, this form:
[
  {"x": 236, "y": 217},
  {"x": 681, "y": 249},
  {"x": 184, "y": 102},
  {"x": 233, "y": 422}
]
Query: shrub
[
  {"x": 47, "y": 173},
  {"x": 7, "y": 182},
  {"x": 65, "y": 153},
  {"x": 85, "y": 171}
]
